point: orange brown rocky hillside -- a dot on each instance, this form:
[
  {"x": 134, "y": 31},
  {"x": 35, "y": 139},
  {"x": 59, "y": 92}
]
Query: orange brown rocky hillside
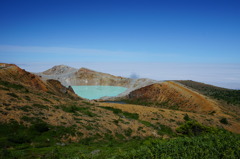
[
  {"x": 20, "y": 86},
  {"x": 13, "y": 73},
  {"x": 174, "y": 96}
]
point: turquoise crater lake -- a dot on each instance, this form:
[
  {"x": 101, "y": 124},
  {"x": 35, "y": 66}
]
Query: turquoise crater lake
[{"x": 96, "y": 92}]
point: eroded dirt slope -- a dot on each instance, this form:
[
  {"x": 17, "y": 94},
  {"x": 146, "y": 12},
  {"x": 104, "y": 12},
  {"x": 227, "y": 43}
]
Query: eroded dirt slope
[
  {"x": 18, "y": 86},
  {"x": 174, "y": 96}
]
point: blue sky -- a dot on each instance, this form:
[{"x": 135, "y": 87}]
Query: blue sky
[{"x": 124, "y": 36}]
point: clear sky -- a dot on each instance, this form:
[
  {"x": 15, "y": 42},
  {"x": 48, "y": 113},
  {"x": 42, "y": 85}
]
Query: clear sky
[{"x": 161, "y": 39}]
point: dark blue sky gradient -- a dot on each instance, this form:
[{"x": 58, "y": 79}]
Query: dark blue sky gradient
[
  {"x": 181, "y": 26},
  {"x": 161, "y": 39}
]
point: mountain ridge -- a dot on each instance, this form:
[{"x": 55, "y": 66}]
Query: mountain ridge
[{"x": 85, "y": 76}]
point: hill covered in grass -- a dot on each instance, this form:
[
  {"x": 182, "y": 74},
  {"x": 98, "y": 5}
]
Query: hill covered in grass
[{"x": 230, "y": 96}]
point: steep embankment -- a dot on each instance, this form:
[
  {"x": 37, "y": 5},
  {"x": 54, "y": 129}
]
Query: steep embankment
[
  {"x": 18, "y": 86},
  {"x": 174, "y": 96}
]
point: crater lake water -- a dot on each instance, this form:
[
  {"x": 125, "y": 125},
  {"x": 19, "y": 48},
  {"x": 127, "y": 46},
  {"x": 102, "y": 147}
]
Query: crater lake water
[{"x": 96, "y": 92}]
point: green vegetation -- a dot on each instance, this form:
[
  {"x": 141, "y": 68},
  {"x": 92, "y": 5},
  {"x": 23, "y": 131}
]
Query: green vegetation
[
  {"x": 161, "y": 129},
  {"x": 39, "y": 133},
  {"x": 40, "y": 106},
  {"x": 139, "y": 102},
  {"x": 150, "y": 103},
  {"x": 11, "y": 85},
  {"x": 45, "y": 99},
  {"x": 27, "y": 98},
  {"x": 14, "y": 86},
  {"x": 206, "y": 146},
  {"x": 43, "y": 141},
  {"x": 13, "y": 95},
  {"x": 77, "y": 109},
  {"x": 224, "y": 121},
  {"x": 186, "y": 117},
  {"x": 193, "y": 128},
  {"x": 87, "y": 103},
  {"x": 128, "y": 132},
  {"x": 122, "y": 113},
  {"x": 228, "y": 95}
]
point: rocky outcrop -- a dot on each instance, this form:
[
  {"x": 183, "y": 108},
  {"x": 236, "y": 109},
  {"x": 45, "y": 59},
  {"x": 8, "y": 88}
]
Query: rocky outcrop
[{"x": 59, "y": 70}]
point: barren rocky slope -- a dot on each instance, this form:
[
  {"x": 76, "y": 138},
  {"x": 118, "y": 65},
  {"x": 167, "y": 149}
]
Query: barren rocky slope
[{"x": 59, "y": 70}]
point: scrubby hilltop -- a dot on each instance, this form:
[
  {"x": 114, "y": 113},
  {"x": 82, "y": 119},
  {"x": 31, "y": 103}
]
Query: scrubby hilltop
[{"x": 173, "y": 96}]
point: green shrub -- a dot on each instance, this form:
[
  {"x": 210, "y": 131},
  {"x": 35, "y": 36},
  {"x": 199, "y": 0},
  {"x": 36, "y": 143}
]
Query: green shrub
[
  {"x": 163, "y": 129},
  {"x": 210, "y": 146},
  {"x": 40, "y": 127},
  {"x": 11, "y": 85},
  {"x": 122, "y": 113},
  {"x": 13, "y": 95},
  {"x": 75, "y": 109},
  {"x": 186, "y": 117},
  {"x": 40, "y": 106},
  {"x": 25, "y": 108},
  {"x": 128, "y": 132},
  {"x": 120, "y": 136},
  {"x": 146, "y": 123},
  {"x": 19, "y": 138},
  {"x": 27, "y": 98},
  {"x": 193, "y": 128},
  {"x": 224, "y": 121}
]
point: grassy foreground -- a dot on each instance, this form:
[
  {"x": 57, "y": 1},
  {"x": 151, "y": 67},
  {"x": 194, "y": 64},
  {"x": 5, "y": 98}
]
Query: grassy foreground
[{"x": 192, "y": 141}]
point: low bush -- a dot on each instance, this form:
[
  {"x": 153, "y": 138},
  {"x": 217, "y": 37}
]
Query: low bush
[
  {"x": 128, "y": 132},
  {"x": 186, "y": 117},
  {"x": 122, "y": 113},
  {"x": 13, "y": 95},
  {"x": 224, "y": 121},
  {"x": 193, "y": 128}
]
